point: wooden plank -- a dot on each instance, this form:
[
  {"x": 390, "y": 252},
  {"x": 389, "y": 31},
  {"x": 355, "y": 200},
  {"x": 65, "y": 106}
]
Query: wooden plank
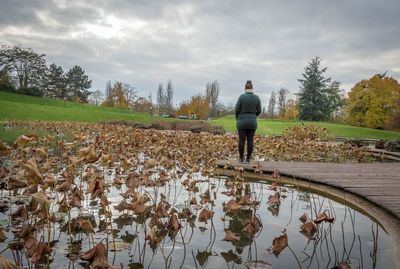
[{"x": 377, "y": 182}]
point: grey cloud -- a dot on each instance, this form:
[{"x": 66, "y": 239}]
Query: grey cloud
[{"x": 193, "y": 42}]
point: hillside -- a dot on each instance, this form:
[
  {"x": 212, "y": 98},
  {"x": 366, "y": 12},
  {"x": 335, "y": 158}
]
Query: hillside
[{"x": 23, "y": 107}]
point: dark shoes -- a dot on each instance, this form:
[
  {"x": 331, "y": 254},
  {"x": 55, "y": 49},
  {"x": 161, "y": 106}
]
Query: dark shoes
[{"x": 241, "y": 160}]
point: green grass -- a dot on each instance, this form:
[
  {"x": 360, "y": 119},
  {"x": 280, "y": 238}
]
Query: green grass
[
  {"x": 22, "y": 107},
  {"x": 276, "y": 127}
]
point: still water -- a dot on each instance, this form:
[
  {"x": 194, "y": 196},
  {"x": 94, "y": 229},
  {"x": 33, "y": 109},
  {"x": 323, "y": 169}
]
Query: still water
[{"x": 352, "y": 237}]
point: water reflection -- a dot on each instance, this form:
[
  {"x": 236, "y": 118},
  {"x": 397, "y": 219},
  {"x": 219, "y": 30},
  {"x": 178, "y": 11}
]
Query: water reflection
[{"x": 190, "y": 221}]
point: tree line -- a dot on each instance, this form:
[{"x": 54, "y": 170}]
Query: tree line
[
  {"x": 24, "y": 71},
  {"x": 373, "y": 103}
]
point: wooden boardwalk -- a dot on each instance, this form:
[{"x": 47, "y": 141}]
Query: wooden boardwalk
[{"x": 376, "y": 182}]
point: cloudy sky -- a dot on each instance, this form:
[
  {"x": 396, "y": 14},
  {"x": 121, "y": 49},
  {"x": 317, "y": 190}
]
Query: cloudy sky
[{"x": 145, "y": 43}]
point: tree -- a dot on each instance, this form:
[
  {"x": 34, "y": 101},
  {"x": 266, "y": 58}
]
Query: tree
[
  {"x": 25, "y": 67},
  {"x": 78, "y": 84},
  {"x": 55, "y": 84},
  {"x": 291, "y": 111},
  {"x": 161, "y": 99},
  {"x": 142, "y": 104},
  {"x": 271, "y": 105},
  {"x": 282, "y": 101},
  {"x": 318, "y": 97},
  {"x": 212, "y": 93},
  {"x": 109, "y": 95},
  {"x": 374, "y": 102},
  {"x": 5, "y": 81},
  {"x": 130, "y": 93},
  {"x": 169, "y": 105},
  {"x": 119, "y": 96},
  {"x": 96, "y": 97},
  {"x": 197, "y": 105}
]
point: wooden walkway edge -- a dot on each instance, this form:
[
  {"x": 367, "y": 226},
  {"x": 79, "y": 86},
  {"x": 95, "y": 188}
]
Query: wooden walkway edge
[{"x": 377, "y": 182}]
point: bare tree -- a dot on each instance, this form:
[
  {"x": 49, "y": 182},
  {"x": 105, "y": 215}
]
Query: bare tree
[
  {"x": 130, "y": 93},
  {"x": 272, "y": 104},
  {"x": 282, "y": 100},
  {"x": 212, "y": 92},
  {"x": 160, "y": 99},
  {"x": 96, "y": 97}
]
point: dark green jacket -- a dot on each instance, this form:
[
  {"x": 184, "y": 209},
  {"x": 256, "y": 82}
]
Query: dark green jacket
[{"x": 248, "y": 107}]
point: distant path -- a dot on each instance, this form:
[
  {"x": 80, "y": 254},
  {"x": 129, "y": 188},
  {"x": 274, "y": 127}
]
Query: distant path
[{"x": 376, "y": 182}]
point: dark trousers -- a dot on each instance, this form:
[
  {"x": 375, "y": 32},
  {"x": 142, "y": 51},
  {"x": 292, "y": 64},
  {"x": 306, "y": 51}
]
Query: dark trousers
[{"x": 246, "y": 134}]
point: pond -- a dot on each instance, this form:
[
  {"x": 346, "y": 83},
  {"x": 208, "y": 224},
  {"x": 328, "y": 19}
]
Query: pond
[{"x": 202, "y": 222}]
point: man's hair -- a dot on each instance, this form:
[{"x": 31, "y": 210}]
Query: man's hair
[{"x": 248, "y": 85}]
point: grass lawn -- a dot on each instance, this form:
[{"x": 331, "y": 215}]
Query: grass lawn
[
  {"x": 276, "y": 127},
  {"x": 22, "y": 107}
]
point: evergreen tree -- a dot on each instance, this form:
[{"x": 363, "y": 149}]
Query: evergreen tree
[
  {"x": 318, "y": 97},
  {"x": 55, "y": 84},
  {"x": 169, "y": 98},
  {"x": 78, "y": 84}
]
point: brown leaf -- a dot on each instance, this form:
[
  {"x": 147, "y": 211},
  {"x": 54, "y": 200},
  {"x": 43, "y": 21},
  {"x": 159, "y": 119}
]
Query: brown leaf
[
  {"x": 245, "y": 200},
  {"x": 274, "y": 199},
  {"x": 22, "y": 212},
  {"x": 304, "y": 218},
  {"x": 85, "y": 225},
  {"x": 161, "y": 211},
  {"x": 205, "y": 215},
  {"x": 186, "y": 212},
  {"x": 4, "y": 149},
  {"x": 39, "y": 251},
  {"x": 41, "y": 152},
  {"x": 97, "y": 256},
  {"x": 230, "y": 236},
  {"x": 14, "y": 184},
  {"x": 173, "y": 223},
  {"x": 3, "y": 236},
  {"x": 232, "y": 205},
  {"x": 31, "y": 169},
  {"x": 87, "y": 153},
  {"x": 308, "y": 228},
  {"x": 22, "y": 141},
  {"x": 41, "y": 198},
  {"x": 323, "y": 217},
  {"x": 279, "y": 244},
  {"x": 6, "y": 264}
]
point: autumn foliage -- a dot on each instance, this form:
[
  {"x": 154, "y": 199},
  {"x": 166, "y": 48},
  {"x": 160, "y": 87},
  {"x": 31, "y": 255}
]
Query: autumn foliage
[{"x": 374, "y": 103}]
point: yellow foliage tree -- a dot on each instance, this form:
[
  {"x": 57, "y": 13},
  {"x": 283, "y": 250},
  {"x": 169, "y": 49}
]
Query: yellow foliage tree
[
  {"x": 198, "y": 105},
  {"x": 291, "y": 111},
  {"x": 371, "y": 103},
  {"x": 117, "y": 98}
]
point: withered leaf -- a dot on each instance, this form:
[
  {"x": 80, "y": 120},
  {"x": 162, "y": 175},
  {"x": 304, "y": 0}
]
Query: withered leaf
[
  {"x": 308, "y": 228},
  {"x": 205, "y": 215},
  {"x": 232, "y": 205},
  {"x": 230, "y": 236},
  {"x": 279, "y": 243}
]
